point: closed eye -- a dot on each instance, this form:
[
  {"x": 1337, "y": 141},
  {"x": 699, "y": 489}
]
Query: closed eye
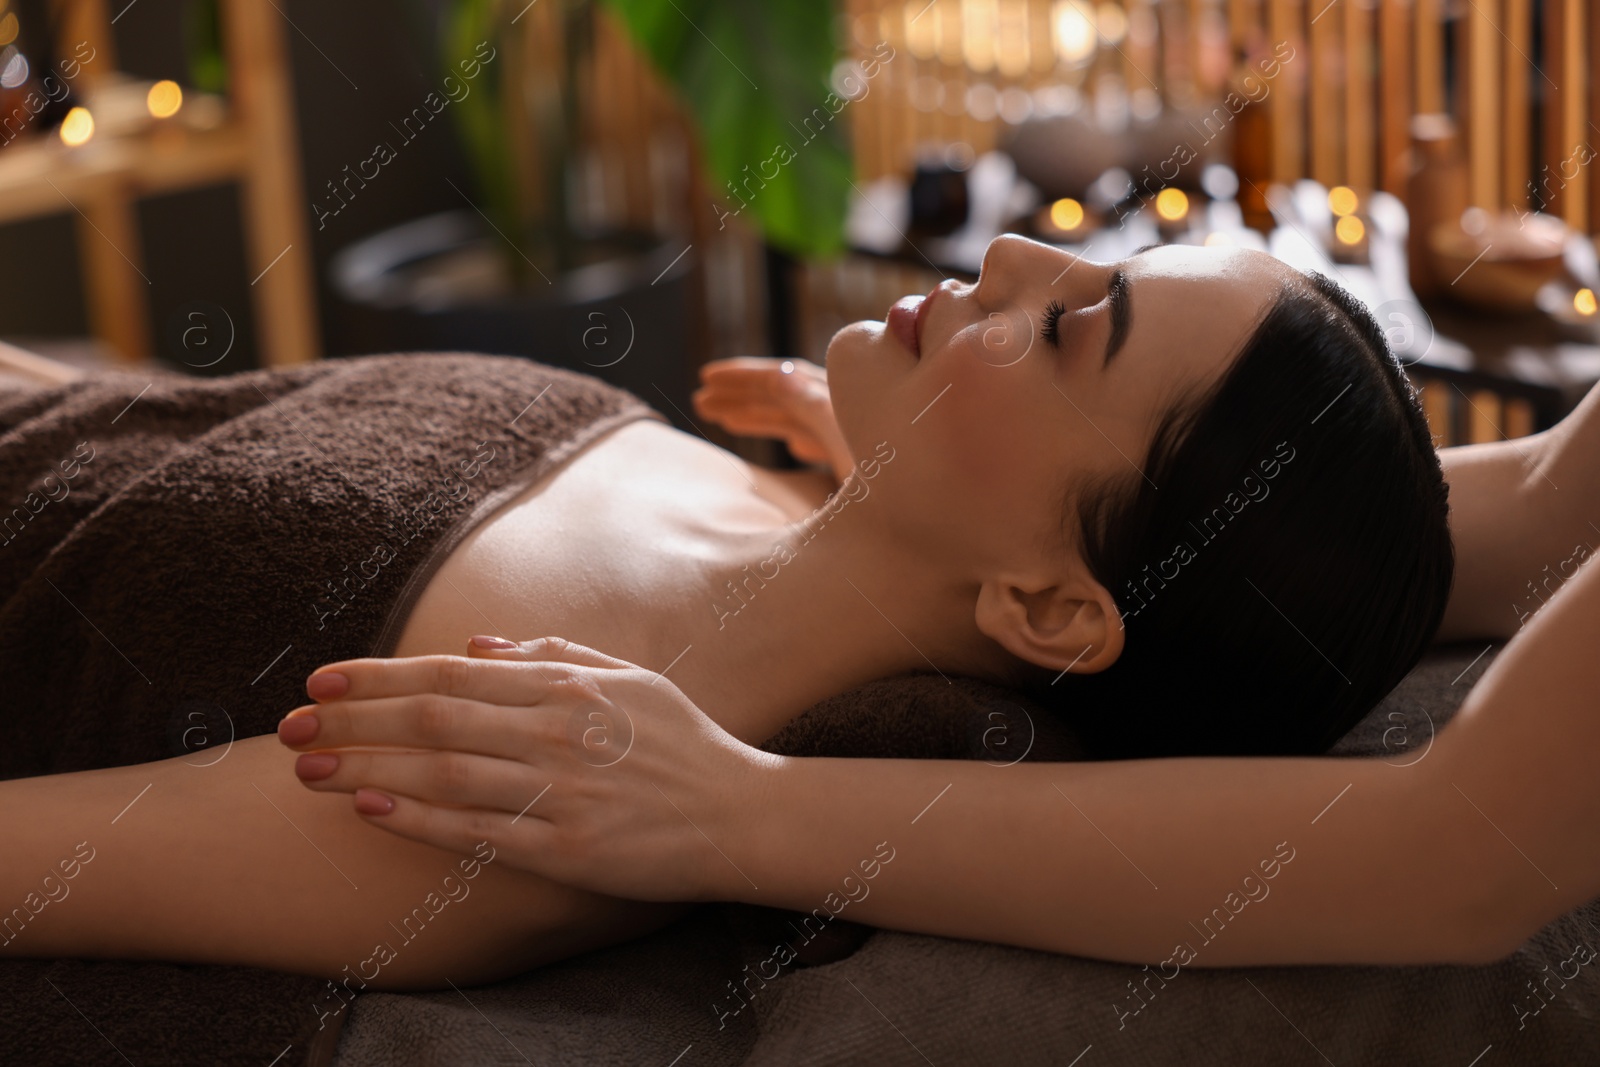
[{"x": 1050, "y": 330}]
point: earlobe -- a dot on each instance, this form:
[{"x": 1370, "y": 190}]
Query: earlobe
[{"x": 1061, "y": 627}]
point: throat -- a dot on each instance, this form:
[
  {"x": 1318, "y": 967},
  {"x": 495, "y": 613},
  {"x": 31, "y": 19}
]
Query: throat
[{"x": 779, "y": 620}]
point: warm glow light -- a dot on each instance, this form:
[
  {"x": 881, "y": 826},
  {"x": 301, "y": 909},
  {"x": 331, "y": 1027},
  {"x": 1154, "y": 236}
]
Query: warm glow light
[
  {"x": 922, "y": 34},
  {"x": 1218, "y": 239},
  {"x": 77, "y": 127},
  {"x": 1350, "y": 230},
  {"x": 1342, "y": 200},
  {"x": 164, "y": 99},
  {"x": 979, "y": 27},
  {"x": 8, "y": 29},
  {"x": 1584, "y": 302},
  {"x": 1075, "y": 31},
  {"x": 1113, "y": 23},
  {"x": 1172, "y": 204},
  {"x": 1066, "y": 214}
]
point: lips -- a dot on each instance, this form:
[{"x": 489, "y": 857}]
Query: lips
[
  {"x": 906, "y": 317},
  {"x": 905, "y": 322}
]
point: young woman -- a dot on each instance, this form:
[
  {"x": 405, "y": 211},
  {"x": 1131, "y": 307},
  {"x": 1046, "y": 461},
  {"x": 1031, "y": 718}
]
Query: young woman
[{"x": 1189, "y": 496}]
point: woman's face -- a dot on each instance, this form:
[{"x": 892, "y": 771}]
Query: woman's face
[{"x": 996, "y": 396}]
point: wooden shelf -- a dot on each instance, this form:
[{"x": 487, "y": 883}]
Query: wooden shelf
[
  {"x": 250, "y": 140},
  {"x": 45, "y": 177}
]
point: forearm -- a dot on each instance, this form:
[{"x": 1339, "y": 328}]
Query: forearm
[
  {"x": 1246, "y": 862},
  {"x": 1517, "y": 508}
]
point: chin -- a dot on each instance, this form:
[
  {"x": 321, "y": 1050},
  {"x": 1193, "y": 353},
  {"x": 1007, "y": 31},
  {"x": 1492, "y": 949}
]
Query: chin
[{"x": 864, "y": 366}]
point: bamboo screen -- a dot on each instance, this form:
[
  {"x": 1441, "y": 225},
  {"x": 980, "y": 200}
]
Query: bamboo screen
[{"x": 1515, "y": 73}]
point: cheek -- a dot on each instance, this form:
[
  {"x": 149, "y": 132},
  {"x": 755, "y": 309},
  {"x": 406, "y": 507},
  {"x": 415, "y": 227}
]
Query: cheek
[{"x": 989, "y": 435}]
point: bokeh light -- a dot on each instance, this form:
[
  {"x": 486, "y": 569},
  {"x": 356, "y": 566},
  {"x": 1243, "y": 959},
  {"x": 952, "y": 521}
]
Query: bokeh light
[
  {"x": 13, "y": 68},
  {"x": 1172, "y": 204},
  {"x": 8, "y": 28},
  {"x": 77, "y": 127},
  {"x": 1342, "y": 200},
  {"x": 1066, "y": 214},
  {"x": 1584, "y": 302},
  {"x": 1075, "y": 31},
  {"x": 1350, "y": 230},
  {"x": 164, "y": 99}
]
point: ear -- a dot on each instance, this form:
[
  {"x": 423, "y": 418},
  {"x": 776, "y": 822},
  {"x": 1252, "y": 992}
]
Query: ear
[{"x": 1070, "y": 625}]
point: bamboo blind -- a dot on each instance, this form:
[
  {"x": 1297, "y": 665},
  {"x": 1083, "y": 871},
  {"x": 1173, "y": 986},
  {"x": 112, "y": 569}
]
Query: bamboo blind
[{"x": 1523, "y": 95}]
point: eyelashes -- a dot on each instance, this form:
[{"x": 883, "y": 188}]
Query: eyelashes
[{"x": 1050, "y": 330}]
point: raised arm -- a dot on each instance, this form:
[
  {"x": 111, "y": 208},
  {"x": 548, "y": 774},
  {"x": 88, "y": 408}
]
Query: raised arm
[
  {"x": 1301, "y": 860},
  {"x": 1523, "y": 515}
]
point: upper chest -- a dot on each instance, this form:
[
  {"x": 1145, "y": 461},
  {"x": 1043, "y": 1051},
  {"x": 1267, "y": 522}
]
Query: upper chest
[{"x": 596, "y": 547}]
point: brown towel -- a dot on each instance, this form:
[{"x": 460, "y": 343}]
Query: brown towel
[{"x": 176, "y": 555}]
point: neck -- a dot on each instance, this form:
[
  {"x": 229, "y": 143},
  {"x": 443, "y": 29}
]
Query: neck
[{"x": 776, "y": 620}]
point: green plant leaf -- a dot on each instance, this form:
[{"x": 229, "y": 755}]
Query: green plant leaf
[
  {"x": 754, "y": 74},
  {"x": 479, "y": 117}
]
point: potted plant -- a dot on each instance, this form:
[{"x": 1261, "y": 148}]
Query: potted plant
[{"x": 514, "y": 273}]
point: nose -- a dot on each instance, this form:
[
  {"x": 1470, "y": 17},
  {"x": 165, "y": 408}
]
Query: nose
[{"x": 1012, "y": 260}]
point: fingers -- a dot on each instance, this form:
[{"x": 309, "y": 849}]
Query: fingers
[
  {"x": 423, "y": 721},
  {"x": 525, "y": 678},
  {"x": 750, "y": 368},
  {"x": 459, "y": 830},
  {"x": 456, "y": 779},
  {"x": 543, "y": 650}
]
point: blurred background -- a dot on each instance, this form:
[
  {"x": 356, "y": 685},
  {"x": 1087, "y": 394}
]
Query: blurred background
[{"x": 633, "y": 187}]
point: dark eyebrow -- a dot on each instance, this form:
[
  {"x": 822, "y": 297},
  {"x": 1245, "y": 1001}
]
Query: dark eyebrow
[
  {"x": 1142, "y": 249},
  {"x": 1117, "y": 294}
]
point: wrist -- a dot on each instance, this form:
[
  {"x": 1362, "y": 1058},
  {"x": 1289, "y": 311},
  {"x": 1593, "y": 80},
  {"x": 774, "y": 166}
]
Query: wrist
[{"x": 755, "y": 829}]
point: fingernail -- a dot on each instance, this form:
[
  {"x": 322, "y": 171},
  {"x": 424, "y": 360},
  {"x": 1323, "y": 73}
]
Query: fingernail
[
  {"x": 315, "y": 766},
  {"x": 328, "y": 685},
  {"x": 372, "y": 802},
  {"x": 483, "y": 641},
  {"x": 298, "y": 729}
]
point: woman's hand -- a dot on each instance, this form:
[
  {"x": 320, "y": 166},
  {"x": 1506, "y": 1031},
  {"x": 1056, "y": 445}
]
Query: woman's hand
[
  {"x": 572, "y": 765},
  {"x": 756, "y": 397}
]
